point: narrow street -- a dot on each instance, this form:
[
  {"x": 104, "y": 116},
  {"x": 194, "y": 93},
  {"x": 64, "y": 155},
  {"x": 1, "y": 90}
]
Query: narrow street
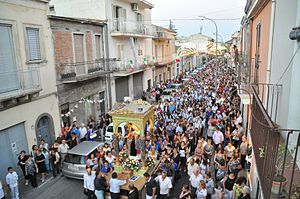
[{"x": 143, "y": 99}]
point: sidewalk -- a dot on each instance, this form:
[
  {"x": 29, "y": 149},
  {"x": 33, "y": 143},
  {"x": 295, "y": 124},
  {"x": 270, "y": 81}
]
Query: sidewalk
[{"x": 28, "y": 192}]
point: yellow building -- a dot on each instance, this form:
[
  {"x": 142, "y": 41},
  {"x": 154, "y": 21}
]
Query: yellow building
[{"x": 164, "y": 54}]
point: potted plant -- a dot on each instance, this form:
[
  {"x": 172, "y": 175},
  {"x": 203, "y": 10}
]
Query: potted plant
[{"x": 279, "y": 180}]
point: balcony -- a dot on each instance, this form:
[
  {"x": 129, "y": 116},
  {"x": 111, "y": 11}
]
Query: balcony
[
  {"x": 19, "y": 86},
  {"x": 163, "y": 60},
  {"x": 161, "y": 33},
  {"x": 82, "y": 71},
  {"x": 121, "y": 27},
  {"x": 123, "y": 67},
  {"x": 276, "y": 150}
]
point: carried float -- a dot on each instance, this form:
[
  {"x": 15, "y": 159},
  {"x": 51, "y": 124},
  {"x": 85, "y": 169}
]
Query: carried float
[{"x": 131, "y": 164}]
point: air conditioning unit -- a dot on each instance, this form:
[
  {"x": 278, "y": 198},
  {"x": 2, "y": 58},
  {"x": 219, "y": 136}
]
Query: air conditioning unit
[{"x": 134, "y": 7}]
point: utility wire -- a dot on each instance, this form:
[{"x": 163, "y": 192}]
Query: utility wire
[
  {"x": 290, "y": 63},
  {"x": 185, "y": 19}
]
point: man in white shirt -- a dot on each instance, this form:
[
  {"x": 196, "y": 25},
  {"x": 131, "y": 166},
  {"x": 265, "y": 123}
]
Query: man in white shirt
[
  {"x": 218, "y": 137},
  {"x": 165, "y": 185},
  {"x": 12, "y": 183},
  {"x": 63, "y": 149},
  {"x": 110, "y": 158},
  {"x": 115, "y": 186},
  {"x": 83, "y": 132},
  {"x": 195, "y": 179},
  {"x": 88, "y": 182},
  {"x": 192, "y": 166}
]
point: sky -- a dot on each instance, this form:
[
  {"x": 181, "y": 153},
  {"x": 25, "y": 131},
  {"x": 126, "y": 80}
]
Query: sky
[{"x": 185, "y": 14}]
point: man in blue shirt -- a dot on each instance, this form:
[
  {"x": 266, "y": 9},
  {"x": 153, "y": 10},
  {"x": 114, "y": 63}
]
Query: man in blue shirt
[
  {"x": 115, "y": 186},
  {"x": 106, "y": 167}
]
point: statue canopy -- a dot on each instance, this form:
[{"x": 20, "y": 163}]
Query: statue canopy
[{"x": 137, "y": 112}]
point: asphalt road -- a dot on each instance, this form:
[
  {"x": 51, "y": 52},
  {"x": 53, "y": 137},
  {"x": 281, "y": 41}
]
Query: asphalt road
[
  {"x": 64, "y": 188},
  {"x": 71, "y": 188}
]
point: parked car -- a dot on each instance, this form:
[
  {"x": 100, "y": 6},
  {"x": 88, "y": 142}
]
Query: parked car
[
  {"x": 110, "y": 131},
  {"x": 74, "y": 165},
  {"x": 175, "y": 87},
  {"x": 166, "y": 94}
]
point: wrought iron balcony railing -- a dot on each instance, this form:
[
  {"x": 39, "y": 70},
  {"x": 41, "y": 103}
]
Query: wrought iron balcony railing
[
  {"x": 84, "y": 70},
  {"x": 276, "y": 152},
  {"x": 121, "y": 26},
  {"x": 128, "y": 66}
]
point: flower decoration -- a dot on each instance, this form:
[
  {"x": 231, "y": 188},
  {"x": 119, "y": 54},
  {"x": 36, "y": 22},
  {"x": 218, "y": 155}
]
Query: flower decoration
[
  {"x": 124, "y": 155},
  {"x": 131, "y": 164},
  {"x": 150, "y": 160}
]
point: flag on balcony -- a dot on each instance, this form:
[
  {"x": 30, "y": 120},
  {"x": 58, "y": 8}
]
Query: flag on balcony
[
  {"x": 154, "y": 59},
  {"x": 177, "y": 59},
  {"x": 145, "y": 62},
  {"x": 131, "y": 66}
]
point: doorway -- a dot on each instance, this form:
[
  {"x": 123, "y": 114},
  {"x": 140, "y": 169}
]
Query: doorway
[{"x": 45, "y": 129}]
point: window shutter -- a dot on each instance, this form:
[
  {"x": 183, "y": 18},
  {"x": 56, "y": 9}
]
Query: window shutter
[
  {"x": 8, "y": 69},
  {"x": 124, "y": 14},
  {"x": 114, "y": 12},
  {"x": 98, "y": 46},
  {"x": 79, "y": 48},
  {"x": 33, "y": 44}
]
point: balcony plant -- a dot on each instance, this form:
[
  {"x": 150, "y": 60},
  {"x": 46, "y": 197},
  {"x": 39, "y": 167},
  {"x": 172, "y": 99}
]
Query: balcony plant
[{"x": 280, "y": 180}]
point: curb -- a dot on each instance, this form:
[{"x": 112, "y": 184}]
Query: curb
[{"x": 36, "y": 192}]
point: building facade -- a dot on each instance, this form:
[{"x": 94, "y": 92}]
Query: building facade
[
  {"x": 28, "y": 94},
  {"x": 81, "y": 68},
  {"x": 273, "y": 61},
  {"x": 130, "y": 36},
  {"x": 164, "y": 54}
]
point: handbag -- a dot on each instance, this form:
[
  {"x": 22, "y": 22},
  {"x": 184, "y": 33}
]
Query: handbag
[{"x": 93, "y": 134}]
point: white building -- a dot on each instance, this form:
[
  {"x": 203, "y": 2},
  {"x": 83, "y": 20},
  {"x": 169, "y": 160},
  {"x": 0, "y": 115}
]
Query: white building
[
  {"x": 129, "y": 39},
  {"x": 28, "y": 101},
  {"x": 196, "y": 42}
]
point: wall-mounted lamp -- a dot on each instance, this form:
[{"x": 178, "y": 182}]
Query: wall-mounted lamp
[{"x": 295, "y": 34}]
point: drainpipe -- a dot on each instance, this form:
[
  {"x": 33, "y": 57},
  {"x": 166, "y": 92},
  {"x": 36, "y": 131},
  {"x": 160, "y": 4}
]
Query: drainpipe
[
  {"x": 271, "y": 36},
  {"x": 108, "y": 82}
]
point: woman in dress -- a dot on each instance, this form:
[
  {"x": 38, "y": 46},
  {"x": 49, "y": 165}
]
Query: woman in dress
[
  {"x": 21, "y": 162},
  {"x": 244, "y": 150},
  {"x": 198, "y": 152},
  {"x": 40, "y": 161},
  {"x": 31, "y": 171},
  {"x": 182, "y": 153}
]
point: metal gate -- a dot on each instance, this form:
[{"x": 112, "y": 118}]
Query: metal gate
[
  {"x": 138, "y": 85},
  {"x": 122, "y": 88},
  {"x": 12, "y": 141}
]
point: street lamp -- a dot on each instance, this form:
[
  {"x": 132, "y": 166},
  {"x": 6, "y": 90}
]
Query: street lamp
[{"x": 205, "y": 18}]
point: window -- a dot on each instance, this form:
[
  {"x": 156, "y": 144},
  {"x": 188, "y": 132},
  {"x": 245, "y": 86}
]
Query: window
[
  {"x": 98, "y": 46},
  {"x": 33, "y": 44},
  {"x": 120, "y": 52},
  {"x": 78, "y": 48},
  {"x": 75, "y": 159},
  {"x": 8, "y": 75}
]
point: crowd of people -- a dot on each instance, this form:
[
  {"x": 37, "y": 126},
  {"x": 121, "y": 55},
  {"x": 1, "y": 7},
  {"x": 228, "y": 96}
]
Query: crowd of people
[
  {"x": 199, "y": 131},
  {"x": 198, "y": 134}
]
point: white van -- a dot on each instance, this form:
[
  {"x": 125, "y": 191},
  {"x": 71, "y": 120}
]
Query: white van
[{"x": 110, "y": 131}]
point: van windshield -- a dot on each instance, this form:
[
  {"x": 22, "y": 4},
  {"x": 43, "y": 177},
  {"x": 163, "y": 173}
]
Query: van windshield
[
  {"x": 75, "y": 159},
  {"x": 110, "y": 129}
]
